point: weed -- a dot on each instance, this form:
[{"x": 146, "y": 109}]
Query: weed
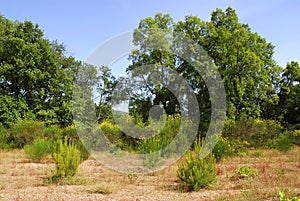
[{"x": 245, "y": 172}]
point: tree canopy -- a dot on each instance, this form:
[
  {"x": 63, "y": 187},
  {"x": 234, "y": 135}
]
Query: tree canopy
[{"x": 37, "y": 76}]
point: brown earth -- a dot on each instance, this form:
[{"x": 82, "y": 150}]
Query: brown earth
[{"x": 21, "y": 179}]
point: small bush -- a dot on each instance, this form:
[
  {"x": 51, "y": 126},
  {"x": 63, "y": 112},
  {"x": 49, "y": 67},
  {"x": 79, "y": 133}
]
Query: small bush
[
  {"x": 197, "y": 173},
  {"x": 245, "y": 172},
  {"x": 72, "y": 135},
  {"x": 25, "y": 132},
  {"x": 67, "y": 159},
  {"x": 257, "y": 132},
  {"x": 222, "y": 149},
  {"x": 296, "y": 137},
  {"x": 4, "y": 138},
  {"x": 284, "y": 142},
  {"x": 111, "y": 131},
  {"x": 39, "y": 149}
]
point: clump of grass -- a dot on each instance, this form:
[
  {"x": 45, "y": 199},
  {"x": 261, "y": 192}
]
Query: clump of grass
[{"x": 103, "y": 188}]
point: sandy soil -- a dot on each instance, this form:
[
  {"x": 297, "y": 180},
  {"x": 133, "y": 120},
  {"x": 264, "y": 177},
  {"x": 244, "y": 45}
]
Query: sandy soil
[{"x": 21, "y": 179}]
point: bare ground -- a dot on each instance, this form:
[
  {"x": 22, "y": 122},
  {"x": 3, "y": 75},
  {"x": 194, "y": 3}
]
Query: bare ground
[{"x": 21, "y": 179}]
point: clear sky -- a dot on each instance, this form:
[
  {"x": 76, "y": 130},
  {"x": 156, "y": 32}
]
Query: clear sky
[{"x": 84, "y": 25}]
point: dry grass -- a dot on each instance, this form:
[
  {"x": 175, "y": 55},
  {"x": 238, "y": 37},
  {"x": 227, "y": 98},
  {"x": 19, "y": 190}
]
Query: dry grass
[{"x": 21, "y": 179}]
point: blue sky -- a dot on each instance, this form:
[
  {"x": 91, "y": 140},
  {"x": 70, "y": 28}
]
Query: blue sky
[{"x": 84, "y": 25}]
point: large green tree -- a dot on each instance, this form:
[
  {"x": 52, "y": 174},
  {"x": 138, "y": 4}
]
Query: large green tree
[
  {"x": 243, "y": 58},
  {"x": 36, "y": 75},
  {"x": 288, "y": 108}
]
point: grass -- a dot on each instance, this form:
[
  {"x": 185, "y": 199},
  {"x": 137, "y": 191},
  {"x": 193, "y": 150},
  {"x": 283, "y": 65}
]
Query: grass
[{"x": 275, "y": 171}]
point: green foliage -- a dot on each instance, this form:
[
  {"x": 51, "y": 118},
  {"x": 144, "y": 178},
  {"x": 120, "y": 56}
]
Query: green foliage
[
  {"x": 222, "y": 149},
  {"x": 256, "y": 132},
  {"x": 111, "y": 131},
  {"x": 284, "y": 142},
  {"x": 282, "y": 197},
  {"x": 67, "y": 159},
  {"x": 238, "y": 53},
  {"x": 36, "y": 75},
  {"x": 25, "y": 132},
  {"x": 245, "y": 172},
  {"x": 39, "y": 149},
  {"x": 288, "y": 106},
  {"x": 296, "y": 136},
  {"x": 197, "y": 173},
  {"x": 4, "y": 138},
  {"x": 71, "y": 134}
]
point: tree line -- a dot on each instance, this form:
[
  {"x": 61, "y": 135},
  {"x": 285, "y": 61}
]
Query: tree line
[{"x": 37, "y": 75}]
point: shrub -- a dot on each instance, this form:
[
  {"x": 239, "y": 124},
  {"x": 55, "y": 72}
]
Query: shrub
[
  {"x": 197, "y": 173},
  {"x": 245, "y": 172},
  {"x": 39, "y": 149},
  {"x": 25, "y": 132},
  {"x": 296, "y": 136},
  {"x": 54, "y": 132},
  {"x": 4, "y": 138},
  {"x": 284, "y": 142},
  {"x": 67, "y": 159},
  {"x": 222, "y": 149},
  {"x": 256, "y": 132},
  {"x": 72, "y": 135},
  {"x": 111, "y": 131}
]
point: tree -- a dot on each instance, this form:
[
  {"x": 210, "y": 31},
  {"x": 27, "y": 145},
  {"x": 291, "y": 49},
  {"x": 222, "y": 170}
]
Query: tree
[
  {"x": 105, "y": 86},
  {"x": 243, "y": 58},
  {"x": 35, "y": 72},
  {"x": 289, "y": 96}
]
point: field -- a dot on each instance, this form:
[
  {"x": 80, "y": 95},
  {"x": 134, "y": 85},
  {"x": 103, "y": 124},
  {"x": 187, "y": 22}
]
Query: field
[{"x": 22, "y": 179}]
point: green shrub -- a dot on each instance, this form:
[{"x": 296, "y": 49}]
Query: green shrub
[
  {"x": 4, "y": 138},
  {"x": 72, "y": 135},
  {"x": 296, "y": 137},
  {"x": 111, "y": 131},
  {"x": 245, "y": 172},
  {"x": 39, "y": 149},
  {"x": 284, "y": 142},
  {"x": 54, "y": 132},
  {"x": 197, "y": 173},
  {"x": 67, "y": 159},
  {"x": 222, "y": 149},
  {"x": 25, "y": 132},
  {"x": 257, "y": 132}
]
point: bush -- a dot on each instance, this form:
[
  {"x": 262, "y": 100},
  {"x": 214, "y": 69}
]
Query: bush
[
  {"x": 4, "y": 138},
  {"x": 197, "y": 173},
  {"x": 257, "y": 132},
  {"x": 296, "y": 137},
  {"x": 39, "y": 149},
  {"x": 284, "y": 142},
  {"x": 72, "y": 135},
  {"x": 222, "y": 149},
  {"x": 111, "y": 131},
  {"x": 25, "y": 132},
  {"x": 67, "y": 159}
]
